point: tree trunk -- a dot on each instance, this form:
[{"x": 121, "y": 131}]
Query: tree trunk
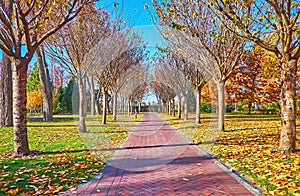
[
  {"x": 6, "y": 114},
  {"x": 288, "y": 105},
  {"x": 140, "y": 105},
  {"x": 97, "y": 98},
  {"x": 221, "y": 105},
  {"x": 93, "y": 97},
  {"x": 46, "y": 86},
  {"x": 170, "y": 107},
  {"x": 115, "y": 100},
  {"x": 249, "y": 108},
  {"x": 186, "y": 107},
  {"x": 107, "y": 104},
  {"x": 198, "y": 105},
  {"x": 174, "y": 112},
  {"x": 129, "y": 107},
  {"x": 104, "y": 105},
  {"x": 179, "y": 107},
  {"x": 82, "y": 103},
  {"x": 19, "y": 74}
]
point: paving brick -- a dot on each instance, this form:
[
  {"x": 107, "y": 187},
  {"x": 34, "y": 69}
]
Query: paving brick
[{"x": 156, "y": 160}]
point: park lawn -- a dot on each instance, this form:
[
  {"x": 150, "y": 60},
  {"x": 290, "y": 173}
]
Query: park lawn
[
  {"x": 248, "y": 146},
  {"x": 68, "y": 159}
]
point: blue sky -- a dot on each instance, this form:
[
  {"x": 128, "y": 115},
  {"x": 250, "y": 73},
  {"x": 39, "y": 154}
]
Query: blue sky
[{"x": 135, "y": 13}]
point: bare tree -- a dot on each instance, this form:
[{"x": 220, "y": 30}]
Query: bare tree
[
  {"x": 46, "y": 85},
  {"x": 169, "y": 75},
  {"x": 71, "y": 44},
  {"x": 197, "y": 76},
  {"x": 163, "y": 93},
  {"x": 111, "y": 58},
  {"x": 135, "y": 86}
]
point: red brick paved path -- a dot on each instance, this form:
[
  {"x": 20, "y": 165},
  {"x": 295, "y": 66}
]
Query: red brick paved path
[{"x": 156, "y": 160}]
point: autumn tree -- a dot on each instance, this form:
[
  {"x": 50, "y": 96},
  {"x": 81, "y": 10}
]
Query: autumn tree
[
  {"x": 201, "y": 38},
  {"x": 34, "y": 100},
  {"x": 255, "y": 80},
  {"x": 279, "y": 20},
  {"x": 20, "y": 36}
]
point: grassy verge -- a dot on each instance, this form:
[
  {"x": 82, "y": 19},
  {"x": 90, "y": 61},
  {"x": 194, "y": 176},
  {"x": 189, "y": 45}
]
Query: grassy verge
[
  {"x": 67, "y": 158},
  {"x": 248, "y": 146}
]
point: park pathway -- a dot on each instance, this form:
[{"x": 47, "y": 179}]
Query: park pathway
[{"x": 157, "y": 160}]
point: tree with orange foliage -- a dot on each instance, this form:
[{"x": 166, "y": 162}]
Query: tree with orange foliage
[{"x": 255, "y": 80}]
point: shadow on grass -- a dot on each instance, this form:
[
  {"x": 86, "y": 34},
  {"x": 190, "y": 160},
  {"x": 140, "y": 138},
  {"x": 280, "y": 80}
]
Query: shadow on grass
[
  {"x": 251, "y": 128},
  {"x": 64, "y": 151}
]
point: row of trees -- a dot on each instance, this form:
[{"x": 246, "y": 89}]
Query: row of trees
[
  {"x": 25, "y": 25},
  {"x": 213, "y": 35},
  {"x": 92, "y": 45}
]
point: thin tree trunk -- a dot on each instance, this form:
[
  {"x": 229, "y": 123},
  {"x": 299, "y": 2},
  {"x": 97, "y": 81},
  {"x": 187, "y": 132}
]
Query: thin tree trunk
[
  {"x": 6, "y": 114},
  {"x": 140, "y": 105},
  {"x": 198, "y": 105},
  {"x": 46, "y": 86},
  {"x": 288, "y": 106},
  {"x": 82, "y": 103},
  {"x": 123, "y": 106},
  {"x": 186, "y": 107},
  {"x": 129, "y": 107},
  {"x": 19, "y": 73},
  {"x": 107, "y": 104},
  {"x": 104, "y": 106},
  {"x": 174, "y": 112},
  {"x": 179, "y": 107},
  {"x": 97, "y": 101},
  {"x": 131, "y": 111},
  {"x": 221, "y": 105},
  {"x": 170, "y": 107},
  {"x": 115, "y": 100},
  {"x": 93, "y": 96},
  {"x": 249, "y": 108}
]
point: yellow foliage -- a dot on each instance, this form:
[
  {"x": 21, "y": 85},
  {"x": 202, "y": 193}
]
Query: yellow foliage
[{"x": 34, "y": 99}]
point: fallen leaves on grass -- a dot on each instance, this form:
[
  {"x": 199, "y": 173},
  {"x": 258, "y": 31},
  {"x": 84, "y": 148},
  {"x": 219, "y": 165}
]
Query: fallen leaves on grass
[
  {"x": 249, "y": 148},
  {"x": 48, "y": 174},
  {"x": 65, "y": 163}
]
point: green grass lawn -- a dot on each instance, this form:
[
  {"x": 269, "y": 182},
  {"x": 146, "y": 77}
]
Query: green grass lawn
[
  {"x": 68, "y": 158},
  {"x": 248, "y": 146}
]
